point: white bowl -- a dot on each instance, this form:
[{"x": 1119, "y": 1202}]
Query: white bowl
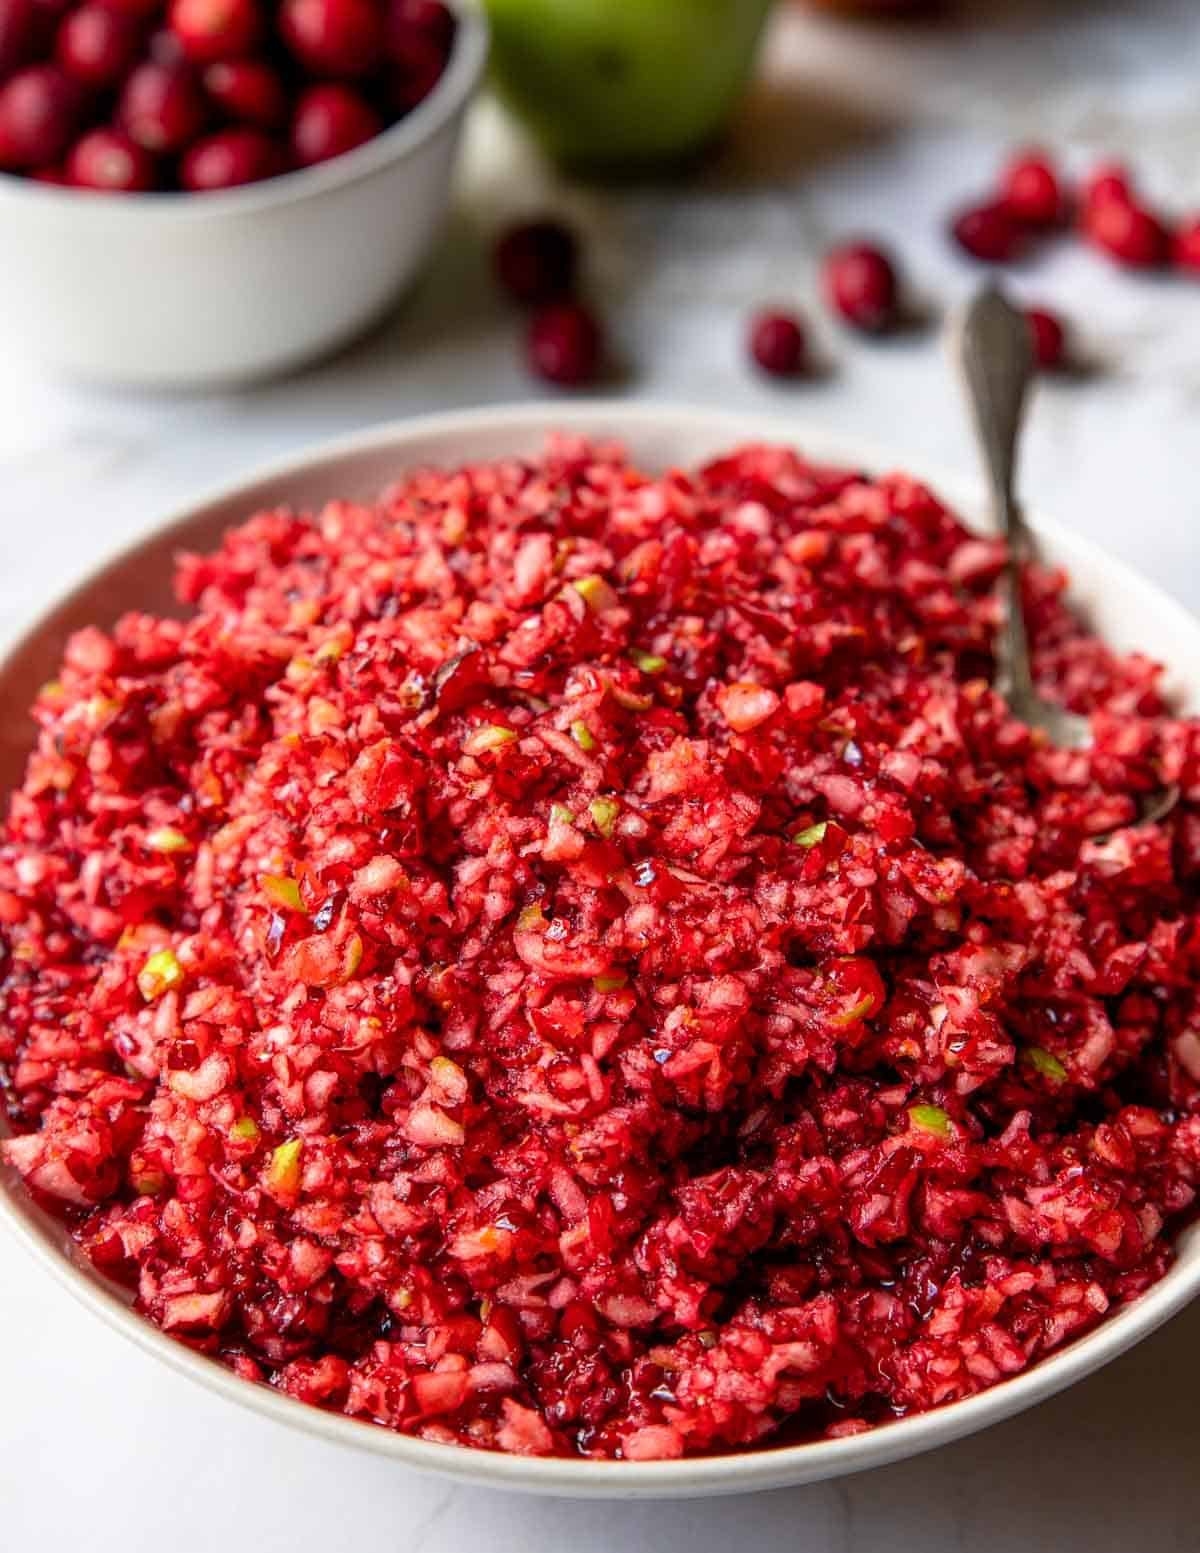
[
  {"x": 1123, "y": 607},
  {"x": 182, "y": 290}
]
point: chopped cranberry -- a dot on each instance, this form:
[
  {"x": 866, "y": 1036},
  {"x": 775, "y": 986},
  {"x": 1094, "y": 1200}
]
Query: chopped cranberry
[
  {"x": 777, "y": 343},
  {"x": 330, "y": 120},
  {"x": 430, "y": 17},
  {"x": 860, "y": 285},
  {"x": 97, "y": 45},
  {"x": 216, "y": 29},
  {"x": 333, "y": 37},
  {"x": 1030, "y": 187},
  {"x": 536, "y": 261},
  {"x": 108, "y": 160},
  {"x": 162, "y": 108},
  {"x": 247, "y": 90},
  {"x": 564, "y": 344},
  {"x": 989, "y": 232},
  {"x": 1049, "y": 337},
  {"x": 39, "y": 109},
  {"x": 1110, "y": 180},
  {"x": 1185, "y": 247},
  {"x": 19, "y": 30},
  {"x": 1131, "y": 235},
  {"x": 229, "y": 158}
]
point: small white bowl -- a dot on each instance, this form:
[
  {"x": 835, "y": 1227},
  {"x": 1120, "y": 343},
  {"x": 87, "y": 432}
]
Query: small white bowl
[
  {"x": 1123, "y": 607},
  {"x": 183, "y": 290}
]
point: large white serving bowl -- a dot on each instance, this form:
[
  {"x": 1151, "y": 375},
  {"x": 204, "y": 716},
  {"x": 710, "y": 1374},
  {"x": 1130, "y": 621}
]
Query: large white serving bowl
[
  {"x": 186, "y": 290},
  {"x": 1124, "y": 607}
]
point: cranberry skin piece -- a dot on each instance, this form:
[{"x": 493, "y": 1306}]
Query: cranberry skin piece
[
  {"x": 107, "y": 160},
  {"x": 230, "y": 158},
  {"x": 1132, "y": 236},
  {"x": 20, "y": 31},
  {"x": 249, "y": 91},
  {"x": 1185, "y": 247},
  {"x": 340, "y": 38},
  {"x": 39, "y": 109},
  {"x": 330, "y": 120},
  {"x": 777, "y": 343},
  {"x": 564, "y": 344},
  {"x": 989, "y": 233},
  {"x": 209, "y": 30},
  {"x": 161, "y": 107},
  {"x": 1029, "y": 187},
  {"x": 430, "y": 17},
  {"x": 97, "y": 45},
  {"x": 536, "y": 261},
  {"x": 861, "y": 286},
  {"x": 1048, "y": 335}
]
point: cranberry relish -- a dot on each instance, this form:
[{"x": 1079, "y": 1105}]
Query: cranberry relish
[{"x": 566, "y": 961}]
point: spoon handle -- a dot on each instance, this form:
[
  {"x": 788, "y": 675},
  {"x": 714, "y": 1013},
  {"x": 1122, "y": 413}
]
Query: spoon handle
[{"x": 996, "y": 357}]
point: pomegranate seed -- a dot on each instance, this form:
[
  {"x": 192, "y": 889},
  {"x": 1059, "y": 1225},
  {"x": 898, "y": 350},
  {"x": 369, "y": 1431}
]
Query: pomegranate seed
[
  {"x": 215, "y": 29},
  {"x": 564, "y": 344},
  {"x": 108, "y": 160},
  {"x": 1110, "y": 180},
  {"x": 39, "y": 108},
  {"x": 330, "y": 120},
  {"x": 96, "y": 45},
  {"x": 860, "y": 285},
  {"x": 1132, "y": 236},
  {"x": 1049, "y": 337},
  {"x": 536, "y": 261},
  {"x": 414, "y": 67},
  {"x": 333, "y": 37},
  {"x": 1185, "y": 248},
  {"x": 249, "y": 91},
  {"x": 988, "y": 232},
  {"x": 1030, "y": 188},
  {"x": 777, "y": 343},
  {"x": 19, "y": 34},
  {"x": 432, "y": 18},
  {"x": 161, "y": 108},
  {"x": 229, "y": 158}
]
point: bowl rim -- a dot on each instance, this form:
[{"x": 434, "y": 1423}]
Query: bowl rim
[
  {"x": 452, "y": 91},
  {"x": 762, "y": 1468}
]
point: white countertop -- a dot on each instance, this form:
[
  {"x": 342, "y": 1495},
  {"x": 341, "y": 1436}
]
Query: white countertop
[{"x": 856, "y": 129}]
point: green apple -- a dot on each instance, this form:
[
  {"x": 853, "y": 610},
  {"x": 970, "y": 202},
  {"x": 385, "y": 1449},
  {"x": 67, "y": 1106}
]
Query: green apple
[{"x": 622, "y": 83}]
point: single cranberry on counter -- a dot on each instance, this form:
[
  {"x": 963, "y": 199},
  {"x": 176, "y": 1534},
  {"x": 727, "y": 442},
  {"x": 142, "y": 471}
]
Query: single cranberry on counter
[
  {"x": 247, "y": 90},
  {"x": 1030, "y": 188},
  {"x": 20, "y": 34},
  {"x": 39, "y": 112},
  {"x": 333, "y": 37},
  {"x": 209, "y": 30},
  {"x": 107, "y": 160},
  {"x": 161, "y": 107},
  {"x": 330, "y": 120},
  {"x": 861, "y": 286},
  {"x": 564, "y": 344},
  {"x": 1048, "y": 335},
  {"x": 536, "y": 261},
  {"x": 432, "y": 18},
  {"x": 229, "y": 158},
  {"x": 777, "y": 343},
  {"x": 1185, "y": 246},
  {"x": 989, "y": 232},
  {"x": 1131, "y": 235}
]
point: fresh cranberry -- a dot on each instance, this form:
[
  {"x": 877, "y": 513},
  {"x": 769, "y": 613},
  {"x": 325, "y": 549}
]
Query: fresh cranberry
[
  {"x": 1185, "y": 247},
  {"x": 97, "y": 45},
  {"x": 564, "y": 344},
  {"x": 55, "y": 175},
  {"x": 330, "y": 120},
  {"x": 1127, "y": 233},
  {"x": 142, "y": 10},
  {"x": 165, "y": 48},
  {"x": 108, "y": 160},
  {"x": 39, "y": 109},
  {"x": 215, "y": 29},
  {"x": 1110, "y": 180},
  {"x": 415, "y": 63},
  {"x": 536, "y": 261},
  {"x": 1029, "y": 186},
  {"x": 860, "y": 285},
  {"x": 1048, "y": 335},
  {"x": 19, "y": 34},
  {"x": 777, "y": 343},
  {"x": 988, "y": 232},
  {"x": 247, "y": 90},
  {"x": 432, "y": 18},
  {"x": 229, "y": 158},
  {"x": 333, "y": 37},
  {"x": 161, "y": 108}
]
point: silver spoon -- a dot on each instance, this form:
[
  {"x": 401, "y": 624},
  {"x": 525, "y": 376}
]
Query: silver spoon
[{"x": 996, "y": 354}]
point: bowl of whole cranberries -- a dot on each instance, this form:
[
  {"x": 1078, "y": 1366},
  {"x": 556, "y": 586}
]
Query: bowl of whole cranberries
[{"x": 197, "y": 191}]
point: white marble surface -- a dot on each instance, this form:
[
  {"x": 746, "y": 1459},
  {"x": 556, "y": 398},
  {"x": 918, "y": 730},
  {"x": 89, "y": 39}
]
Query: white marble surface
[{"x": 854, "y": 129}]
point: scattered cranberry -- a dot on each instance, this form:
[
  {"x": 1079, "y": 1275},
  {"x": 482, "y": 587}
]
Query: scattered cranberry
[
  {"x": 1049, "y": 337},
  {"x": 536, "y": 261},
  {"x": 19, "y": 28},
  {"x": 777, "y": 343},
  {"x": 1110, "y": 180},
  {"x": 97, "y": 45},
  {"x": 1127, "y": 233},
  {"x": 39, "y": 109},
  {"x": 247, "y": 90},
  {"x": 330, "y": 120},
  {"x": 1030, "y": 188},
  {"x": 216, "y": 29},
  {"x": 108, "y": 160},
  {"x": 230, "y": 158},
  {"x": 162, "y": 108},
  {"x": 1185, "y": 247},
  {"x": 564, "y": 344},
  {"x": 860, "y": 284},
  {"x": 989, "y": 232},
  {"x": 55, "y": 175},
  {"x": 333, "y": 37}
]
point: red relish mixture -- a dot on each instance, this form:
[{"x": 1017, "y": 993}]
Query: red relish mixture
[{"x": 575, "y": 962}]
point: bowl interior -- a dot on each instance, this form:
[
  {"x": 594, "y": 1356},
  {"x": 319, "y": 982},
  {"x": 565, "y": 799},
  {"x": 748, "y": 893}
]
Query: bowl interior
[{"x": 1129, "y": 611}]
